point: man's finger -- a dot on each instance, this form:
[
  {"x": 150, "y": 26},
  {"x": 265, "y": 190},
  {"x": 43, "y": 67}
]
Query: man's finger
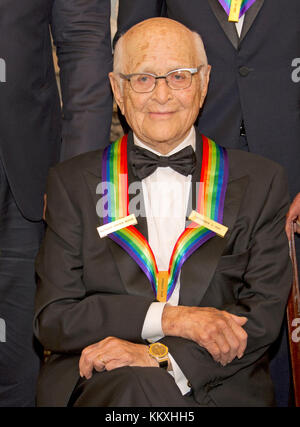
[
  {"x": 86, "y": 362},
  {"x": 242, "y": 336},
  {"x": 224, "y": 346},
  {"x": 214, "y": 351},
  {"x": 236, "y": 323},
  {"x": 233, "y": 339},
  {"x": 240, "y": 320},
  {"x": 99, "y": 363}
]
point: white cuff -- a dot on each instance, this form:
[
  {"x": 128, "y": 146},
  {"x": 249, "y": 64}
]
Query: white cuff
[
  {"x": 179, "y": 377},
  {"x": 152, "y": 328},
  {"x": 152, "y": 331}
]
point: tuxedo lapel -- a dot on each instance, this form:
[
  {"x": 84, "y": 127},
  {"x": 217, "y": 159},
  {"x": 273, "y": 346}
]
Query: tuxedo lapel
[
  {"x": 136, "y": 196},
  {"x": 229, "y": 28},
  {"x": 92, "y": 177},
  {"x": 250, "y": 16},
  {"x": 134, "y": 280},
  {"x": 198, "y": 270},
  {"x": 193, "y": 197}
]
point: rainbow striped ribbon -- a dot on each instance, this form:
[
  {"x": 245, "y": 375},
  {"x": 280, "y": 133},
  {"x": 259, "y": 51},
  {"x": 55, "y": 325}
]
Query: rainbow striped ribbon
[
  {"x": 226, "y": 4},
  {"x": 211, "y": 197}
]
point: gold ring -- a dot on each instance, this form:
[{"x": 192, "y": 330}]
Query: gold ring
[{"x": 100, "y": 358}]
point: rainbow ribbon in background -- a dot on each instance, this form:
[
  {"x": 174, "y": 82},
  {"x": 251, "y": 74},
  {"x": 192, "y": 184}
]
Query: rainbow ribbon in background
[
  {"x": 211, "y": 197},
  {"x": 245, "y": 5}
]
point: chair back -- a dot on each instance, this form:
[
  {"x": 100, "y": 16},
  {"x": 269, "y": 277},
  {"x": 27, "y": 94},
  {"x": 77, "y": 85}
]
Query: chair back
[{"x": 293, "y": 318}]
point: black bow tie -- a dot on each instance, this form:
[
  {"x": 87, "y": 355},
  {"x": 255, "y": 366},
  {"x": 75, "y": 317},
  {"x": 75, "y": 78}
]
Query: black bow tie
[{"x": 144, "y": 162}]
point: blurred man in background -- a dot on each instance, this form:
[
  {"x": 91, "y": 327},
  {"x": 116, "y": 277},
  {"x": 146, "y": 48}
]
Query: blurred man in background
[{"x": 33, "y": 136}]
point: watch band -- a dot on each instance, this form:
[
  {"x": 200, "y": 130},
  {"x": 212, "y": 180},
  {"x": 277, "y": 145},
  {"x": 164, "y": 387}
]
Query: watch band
[{"x": 163, "y": 363}]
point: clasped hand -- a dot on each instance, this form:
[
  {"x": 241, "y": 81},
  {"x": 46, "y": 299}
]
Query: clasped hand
[
  {"x": 219, "y": 332},
  {"x": 112, "y": 353}
]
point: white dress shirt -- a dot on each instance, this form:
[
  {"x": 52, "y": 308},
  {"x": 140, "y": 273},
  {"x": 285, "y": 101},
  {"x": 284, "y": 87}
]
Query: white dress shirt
[
  {"x": 239, "y": 25},
  {"x": 166, "y": 194}
]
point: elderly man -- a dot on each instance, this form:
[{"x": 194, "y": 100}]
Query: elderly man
[
  {"x": 139, "y": 305},
  {"x": 245, "y": 87}
]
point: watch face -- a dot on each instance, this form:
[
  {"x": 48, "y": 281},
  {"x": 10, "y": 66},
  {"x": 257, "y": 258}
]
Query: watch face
[{"x": 158, "y": 350}]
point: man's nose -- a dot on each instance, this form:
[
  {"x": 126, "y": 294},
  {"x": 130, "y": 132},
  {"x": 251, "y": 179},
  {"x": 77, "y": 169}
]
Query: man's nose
[{"x": 162, "y": 92}]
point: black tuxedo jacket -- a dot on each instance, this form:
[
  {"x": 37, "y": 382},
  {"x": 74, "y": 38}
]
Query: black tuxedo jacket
[
  {"x": 90, "y": 288},
  {"x": 30, "y": 114},
  {"x": 251, "y": 77}
]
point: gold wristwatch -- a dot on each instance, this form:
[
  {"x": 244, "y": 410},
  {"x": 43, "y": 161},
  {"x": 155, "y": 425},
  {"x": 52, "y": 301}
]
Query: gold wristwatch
[{"x": 159, "y": 352}]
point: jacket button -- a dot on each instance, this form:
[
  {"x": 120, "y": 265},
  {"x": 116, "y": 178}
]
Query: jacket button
[{"x": 244, "y": 71}]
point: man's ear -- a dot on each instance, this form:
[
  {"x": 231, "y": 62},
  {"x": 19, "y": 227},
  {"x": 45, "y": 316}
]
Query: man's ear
[
  {"x": 204, "y": 83},
  {"x": 117, "y": 91}
]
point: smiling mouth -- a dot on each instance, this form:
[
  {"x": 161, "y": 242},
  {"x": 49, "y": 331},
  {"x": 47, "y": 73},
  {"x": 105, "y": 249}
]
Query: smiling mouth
[{"x": 161, "y": 115}]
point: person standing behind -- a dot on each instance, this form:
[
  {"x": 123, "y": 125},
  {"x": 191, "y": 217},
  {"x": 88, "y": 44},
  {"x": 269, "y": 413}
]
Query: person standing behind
[
  {"x": 33, "y": 137},
  {"x": 253, "y": 98}
]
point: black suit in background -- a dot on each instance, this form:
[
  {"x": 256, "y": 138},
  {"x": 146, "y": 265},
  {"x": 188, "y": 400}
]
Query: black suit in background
[
  {"x": 251, "y": 81},
  {"x": 90, "y": 288},
  {"x": 251, "y": 77},
  {"x": 33, "y": 137}
]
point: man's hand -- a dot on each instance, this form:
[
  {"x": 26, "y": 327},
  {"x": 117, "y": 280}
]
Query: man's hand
[
  {"x": 293, "y": 215},
  {"x": 221, "y": 333},
  {"x": 112, "y": 353}
]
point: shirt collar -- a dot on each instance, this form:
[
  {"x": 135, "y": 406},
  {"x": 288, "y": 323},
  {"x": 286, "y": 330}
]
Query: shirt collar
[{"x": 189, "y": 140}]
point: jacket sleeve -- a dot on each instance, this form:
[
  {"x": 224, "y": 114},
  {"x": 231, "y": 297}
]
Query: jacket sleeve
[
  {"x": 81, "y": 34},
  {"x": 68, "y": 317},
  {"x": 262, "y": 296}
]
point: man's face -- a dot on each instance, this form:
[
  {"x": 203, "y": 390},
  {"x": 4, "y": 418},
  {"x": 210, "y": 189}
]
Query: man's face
[{"x": 164, "y": 115}]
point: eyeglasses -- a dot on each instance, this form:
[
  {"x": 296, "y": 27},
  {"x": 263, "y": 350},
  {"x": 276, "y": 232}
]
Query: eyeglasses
[{"x": 176, "y": 79}]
